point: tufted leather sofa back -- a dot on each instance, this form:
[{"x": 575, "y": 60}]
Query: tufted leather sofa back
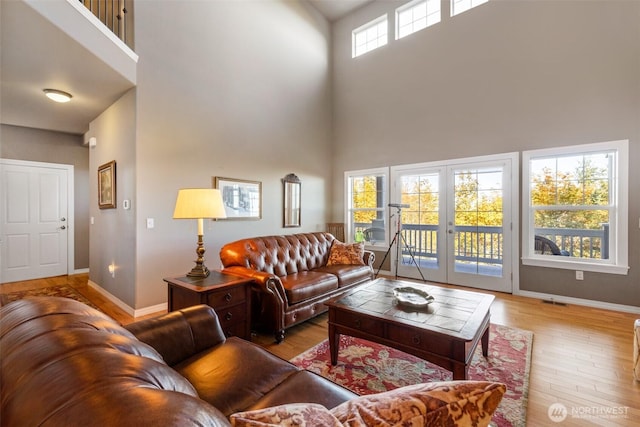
[{"x": 279, "y": 255}]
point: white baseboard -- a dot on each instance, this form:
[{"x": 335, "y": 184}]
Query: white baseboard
[
  {"x": 81, "y": 271},
  {"x": 579, "y": 301},
  {"x": 130, "y": 311},
  {"x": 150, "y": 310}
]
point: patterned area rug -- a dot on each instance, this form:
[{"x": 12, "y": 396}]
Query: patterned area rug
[
  {"x": 365, "y": 368},
  {"x": 52, "y": 291}
]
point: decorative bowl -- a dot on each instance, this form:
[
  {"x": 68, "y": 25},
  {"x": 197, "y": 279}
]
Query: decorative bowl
[{"x": 412, "y": 297}]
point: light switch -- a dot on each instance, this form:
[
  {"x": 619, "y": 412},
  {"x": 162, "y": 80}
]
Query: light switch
[{"x": 150, "y": 223}]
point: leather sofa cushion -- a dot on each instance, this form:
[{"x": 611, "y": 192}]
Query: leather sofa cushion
[
  {"x": 305, "y": 387},
  {"x": 347, "y": 274},
  {"x": 237, "y": 385},
  {"x": 308, "y": 284}
]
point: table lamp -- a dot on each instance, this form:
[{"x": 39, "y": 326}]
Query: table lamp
[{"x": 199, "y": 203}]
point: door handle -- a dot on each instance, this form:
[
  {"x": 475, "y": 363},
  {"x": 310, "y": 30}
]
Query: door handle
[
  {"x": 62, "y": 228},
  {"x": 63, "y": 219}
]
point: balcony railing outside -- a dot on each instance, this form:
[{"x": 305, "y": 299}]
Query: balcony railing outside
[
  {"x": 117, "y": 15},
  {"x": 484, "y": 244}
]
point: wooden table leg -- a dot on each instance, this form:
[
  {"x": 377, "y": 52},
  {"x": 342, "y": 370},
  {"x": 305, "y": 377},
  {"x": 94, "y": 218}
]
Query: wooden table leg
[
  {"x": 334, "y": 343},
  {"x": 485, "y": 342},
  {"x": 460, "y": 371}
]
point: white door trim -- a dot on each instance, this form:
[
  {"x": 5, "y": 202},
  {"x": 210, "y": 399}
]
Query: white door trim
[{"x": 70, "y": 202}]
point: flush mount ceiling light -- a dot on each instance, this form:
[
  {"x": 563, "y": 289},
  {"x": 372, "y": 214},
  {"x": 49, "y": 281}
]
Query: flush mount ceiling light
[{"x": 57, "y": 95}]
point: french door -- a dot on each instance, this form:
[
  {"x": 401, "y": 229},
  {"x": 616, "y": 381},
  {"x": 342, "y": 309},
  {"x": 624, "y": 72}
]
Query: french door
[{"x": 459, "y": 226}]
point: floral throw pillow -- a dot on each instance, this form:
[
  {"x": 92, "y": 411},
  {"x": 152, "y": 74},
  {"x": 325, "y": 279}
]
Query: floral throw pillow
[
  {"x": 451, "y": 403},
  {"x": 294, "y": 414},
  {"x": 346, "y": 254}
]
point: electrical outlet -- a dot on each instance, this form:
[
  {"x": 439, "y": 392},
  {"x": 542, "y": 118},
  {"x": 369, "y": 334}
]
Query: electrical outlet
[
  {"x": 150, "y": 223},
  {"x": 579, "y": 275}
]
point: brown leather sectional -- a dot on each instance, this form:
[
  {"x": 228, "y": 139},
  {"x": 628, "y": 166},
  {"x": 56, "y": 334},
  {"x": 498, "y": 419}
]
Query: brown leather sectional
[
  {"x": 291, "y": 278},
  {"x": 64, "y": 363}
]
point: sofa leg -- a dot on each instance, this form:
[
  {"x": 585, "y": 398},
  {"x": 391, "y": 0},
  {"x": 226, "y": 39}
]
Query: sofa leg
[{"x": 279, "y": 336}]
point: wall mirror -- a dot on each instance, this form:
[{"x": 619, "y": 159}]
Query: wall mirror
[{"x": 292, "y": 194}]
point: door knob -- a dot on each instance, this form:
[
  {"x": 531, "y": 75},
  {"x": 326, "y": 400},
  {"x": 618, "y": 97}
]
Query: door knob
[
  {"x": 63, "y": 228},
  {"x": 63, "y": 219}
]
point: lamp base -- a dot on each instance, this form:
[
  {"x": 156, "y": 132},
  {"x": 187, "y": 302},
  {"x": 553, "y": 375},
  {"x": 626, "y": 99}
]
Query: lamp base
[{"x": 200, "y": 270}]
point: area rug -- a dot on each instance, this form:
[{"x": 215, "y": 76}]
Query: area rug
[
  {"x": 365, "y": 368},
  {"x": 64, "y": 291}
]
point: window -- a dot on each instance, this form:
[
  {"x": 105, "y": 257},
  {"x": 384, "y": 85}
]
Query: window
[
  {"x": 366, "y": 196},
  {"x": 415, "y": 16},
  {"x": 370, "y": 36},
  {"x": 575, "y": 207},
  {"x": 459, "y": 6}
]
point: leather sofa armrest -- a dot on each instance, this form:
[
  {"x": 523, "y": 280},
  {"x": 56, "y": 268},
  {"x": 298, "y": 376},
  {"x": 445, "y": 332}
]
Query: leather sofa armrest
[
  {"x": 266, "y": 282},
  {"x": 369, "y": 257},
  {"x": 180, "y": 334}
]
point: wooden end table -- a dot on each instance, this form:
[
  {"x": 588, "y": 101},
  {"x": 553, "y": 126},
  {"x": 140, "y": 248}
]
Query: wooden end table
[
  {"x": 446, "y": 332},
  {"x": 228, "y": 295}
]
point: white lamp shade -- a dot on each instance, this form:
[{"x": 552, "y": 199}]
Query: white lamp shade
[{"x": 196, "y": 203}]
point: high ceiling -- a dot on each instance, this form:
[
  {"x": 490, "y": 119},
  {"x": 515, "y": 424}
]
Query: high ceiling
[
  {"x": 36, "y": 54},
  {"x": 336, "y": 9}
]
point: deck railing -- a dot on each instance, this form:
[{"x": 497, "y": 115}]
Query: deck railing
[
  {"x": 484, "y": 244},
  {"x": 116, "y": 15}
]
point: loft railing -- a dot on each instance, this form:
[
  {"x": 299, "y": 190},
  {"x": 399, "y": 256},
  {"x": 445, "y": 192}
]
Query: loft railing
[
  {"x": 116, "y": 15},
  {"x": 484, "y": 244}
]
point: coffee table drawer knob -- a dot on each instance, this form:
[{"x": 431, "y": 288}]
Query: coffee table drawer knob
[
  {"x": 358, "y": 324},
  {"x": 227, "y": 297},
  {"x": 416, "y": 339},
  {"x": 228, "y": 316}
]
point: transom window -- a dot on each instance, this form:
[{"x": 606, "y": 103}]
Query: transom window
[
  {"x": 459, "y": 6},
  {"x": 575, "y": 212},
  {"x": 366, "y": 195},
  {"x": 415, "y": 16},
  {"x": 370, "y": 36}
]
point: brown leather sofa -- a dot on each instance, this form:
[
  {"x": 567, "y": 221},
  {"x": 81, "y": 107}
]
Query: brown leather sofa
[
  {"x": 64, "y": 363},
  {"x": 291, "y": 278}
]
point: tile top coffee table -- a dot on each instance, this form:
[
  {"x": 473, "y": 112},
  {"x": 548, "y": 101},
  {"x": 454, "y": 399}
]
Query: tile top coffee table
[{"x": 446, "y": 332}]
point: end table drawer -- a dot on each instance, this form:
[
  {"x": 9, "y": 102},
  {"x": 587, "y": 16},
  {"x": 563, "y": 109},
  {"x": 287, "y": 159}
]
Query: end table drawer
[
  {"x": 231, "y": 315},
  {"x": 230, "y": 296},
  {"x": 236, "y": 330}
]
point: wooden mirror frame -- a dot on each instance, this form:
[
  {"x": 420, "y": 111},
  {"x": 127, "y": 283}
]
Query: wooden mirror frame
[{"x": 292, "y": 188}]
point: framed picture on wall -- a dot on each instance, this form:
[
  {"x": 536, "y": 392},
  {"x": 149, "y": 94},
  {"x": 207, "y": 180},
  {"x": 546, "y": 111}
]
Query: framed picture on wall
[
  {"x": 107, "y": 185},
  {"x": 242, "y": 199}
]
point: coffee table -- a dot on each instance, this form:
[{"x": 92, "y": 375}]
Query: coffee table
[{"x": 446, "y": 332}]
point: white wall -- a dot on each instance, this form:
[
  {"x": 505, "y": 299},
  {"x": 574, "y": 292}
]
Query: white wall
[
  {"x": 505, "y": 76},
  {"x": 237, "y": 89}
]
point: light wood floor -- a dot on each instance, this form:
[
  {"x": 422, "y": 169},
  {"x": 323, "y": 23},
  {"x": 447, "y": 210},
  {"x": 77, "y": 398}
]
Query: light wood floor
[{"x": 582, "y": 357}]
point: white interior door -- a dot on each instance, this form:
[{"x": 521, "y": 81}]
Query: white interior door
[
  {"x": 459, "y": 225},
  {"x": 35, "y": 220}
]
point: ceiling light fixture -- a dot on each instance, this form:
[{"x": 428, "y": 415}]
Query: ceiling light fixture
[{"x": 57, "y": 95}]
